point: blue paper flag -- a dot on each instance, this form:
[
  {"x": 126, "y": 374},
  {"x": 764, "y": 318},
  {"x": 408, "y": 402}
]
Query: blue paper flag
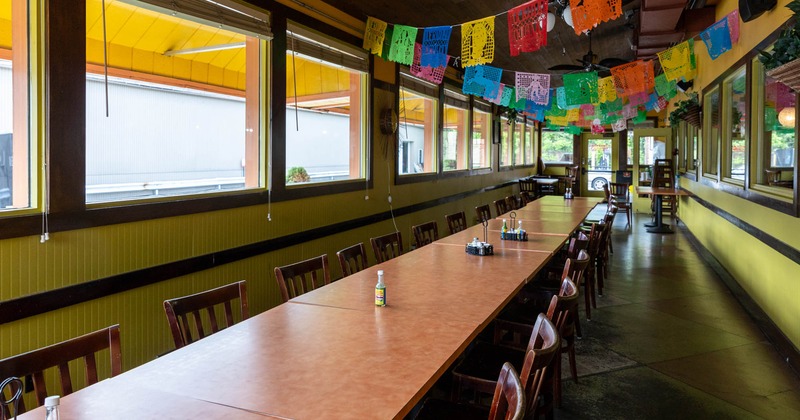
[
  {"x": 482, "y": 80},
  {"x": 435, "y": 41},
  {"x": 717, "y": 38}
]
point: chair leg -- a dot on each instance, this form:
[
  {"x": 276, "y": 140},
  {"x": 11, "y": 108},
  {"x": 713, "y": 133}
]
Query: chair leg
[
  {"x": 629, "y": 213},
  {"x": 557, "y": 380},
  {"x": 573, "y": 368},
  {"x": 588, "y": 291},
  {"x": 578, "y": 332}
]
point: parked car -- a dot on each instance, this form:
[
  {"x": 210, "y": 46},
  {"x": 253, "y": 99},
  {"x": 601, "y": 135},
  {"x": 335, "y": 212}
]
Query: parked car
[{"x": 598, "y": 178}]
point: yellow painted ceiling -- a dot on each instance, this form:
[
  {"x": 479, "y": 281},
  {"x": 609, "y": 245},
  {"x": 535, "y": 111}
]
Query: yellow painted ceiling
[{"x": 141, "y": 30}]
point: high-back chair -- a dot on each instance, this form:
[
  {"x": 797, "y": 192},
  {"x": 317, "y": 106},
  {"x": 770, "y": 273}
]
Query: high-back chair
[
  {"x": 425, "y": 233},
  {"x": 352, "y": 259},
  {"x": 508, "y": 402},
  {"x": 184, "y": 314},
  {"x": 36, "y": 362},
  {"x": 483, "y": 212},
  {"x": 620, "y": 198},
  {"x": 563, "y": 311},
  {"x": 512, "y": 203},
  {"x": 525, "y": 198},
  {"x": 472, "y": 373},
  {"x": 387, "y": 246},
  {"x": 527, "y": 185},
  {"x": 501, "y": 206},
  {"x": 456, "y": 222},
  {"x": 298, "y": 278}
]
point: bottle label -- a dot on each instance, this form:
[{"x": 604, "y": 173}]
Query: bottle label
[{"x": 380, "y": 296}]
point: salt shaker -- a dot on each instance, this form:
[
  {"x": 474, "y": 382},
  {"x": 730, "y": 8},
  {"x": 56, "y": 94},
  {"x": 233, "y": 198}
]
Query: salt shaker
[{"x": 51, "y": 407}]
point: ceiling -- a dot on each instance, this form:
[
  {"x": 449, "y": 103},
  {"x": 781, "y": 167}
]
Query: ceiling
[{"x": 615, "y": 39}]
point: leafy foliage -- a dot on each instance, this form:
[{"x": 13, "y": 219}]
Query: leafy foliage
[
  {"x": 297, "y": 174},
  {"x": 682, "y": 108},
  {"x": 787, "y": 47}
]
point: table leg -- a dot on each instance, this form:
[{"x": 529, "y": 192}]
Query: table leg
[
  {"x": 653, "y": 222},
  {"x": 660, "y": 226}
]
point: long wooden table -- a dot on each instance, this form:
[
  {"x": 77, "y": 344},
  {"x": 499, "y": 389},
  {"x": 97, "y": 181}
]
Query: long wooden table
[
  {"x": 330, "y": 353},
  {"x": 659, "y": 193}
]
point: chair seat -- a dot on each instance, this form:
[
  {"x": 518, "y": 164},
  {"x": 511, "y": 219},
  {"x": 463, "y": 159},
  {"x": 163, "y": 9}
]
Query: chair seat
[{"x": 435, "y": 409}]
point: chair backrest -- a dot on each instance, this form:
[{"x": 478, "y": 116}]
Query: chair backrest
[
  {"x": 564, "y": 306},
  {"x": 184, "y": 314},
  {"x": 527, "y": 185},
  {"x": 508, "y": 402},
  {"x": 298, "y": 278},
  {"x": 526, "y": 197},
  {"x": 456, "y": 222},
  {"x": 387, "y": 246},
  {"x": 571, "y": 171},
  {"x": 501, "y": 206},
  {"x": 36, "y": 362},
  {"x": 512, "y": 203},
  {"x": 483, "y": 213},
  {"x": 620, "y": 191},
  {"x": 543, "y": 346},
  {"x": 578, "y": 243},
  {"x": 352, "y": 259},
  {"x": 425, "y": 233},
  {"x": 773, "y": 176}
]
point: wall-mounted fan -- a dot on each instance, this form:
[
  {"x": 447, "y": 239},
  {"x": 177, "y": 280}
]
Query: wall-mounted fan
[{"x": 589, "y": 62}]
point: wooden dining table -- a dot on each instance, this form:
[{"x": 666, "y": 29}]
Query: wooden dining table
[
  {"x": 331, "y": 353},
  {"x": 659, "y": 193}
]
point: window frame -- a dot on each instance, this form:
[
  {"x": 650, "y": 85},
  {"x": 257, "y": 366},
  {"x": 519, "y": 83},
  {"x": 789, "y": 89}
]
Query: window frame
[
  {"x": 484, "y": 108},
  {"x": 460, "y": 102},
  {"x": 707, "y": 140},
  {"x": 726, "y": 149}
]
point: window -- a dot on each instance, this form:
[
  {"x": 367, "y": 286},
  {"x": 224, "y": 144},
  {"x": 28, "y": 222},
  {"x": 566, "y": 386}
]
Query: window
[
  {"x": 454, "y": 137},
  {"x": 650, "y": 149},
  {"x": 207, "y": 75},
  {"x": 417, "y": 132},
  {"x": 15, "y": 144},
  {"x": 774, "y": 156},
  {"x": 519, "y": 133},
  {"x": 692, "y": 134},
  {"x": 712, "y": 120},
  {"x": 530, "y": 135},
  {"x": 325, "y": 109},
  {"x": 735, "y": 116},
  {"x": 481, "y": 135},
  {"x": 557, "y": 147},
  {"x": 506, "y": 139},
  {"x": 629, "y": 148}
]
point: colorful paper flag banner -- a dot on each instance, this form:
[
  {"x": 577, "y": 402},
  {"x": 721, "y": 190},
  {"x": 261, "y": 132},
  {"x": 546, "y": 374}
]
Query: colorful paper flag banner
[
  {"x": 374, "y": 34},
  {"x": 733, "y": 25},
  {"x": 508, "y": 93},
  {"x": 527, "y": 27},
  {"x": 482, "y": 81},
  {"x": 717, "y": 38},
  {"x": 586, "y": 14},
  {"x": 431, "y": 74},
  {"x": 498, "y": 99},
  {"x": 403, "y": 40},
  {"x": 633, "y": 77},
  {"x": 677, "y": 61},
  {"x": 435, "y": 41},
  {"x": 387, "y": 44},
  {"x": 619, "y": 125},
  {"x": 581, "y": 88},
  {"x": 477, "y": 42},
  {"x": 606, "y": 91}
]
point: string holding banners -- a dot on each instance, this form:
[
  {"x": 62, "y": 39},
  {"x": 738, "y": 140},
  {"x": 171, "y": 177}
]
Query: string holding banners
[
  {"x": 431, "y": 74},
  {"x": 403, "y": 38},
  {"x": 527, "y": 29},
  {"x": 374, "y": 35},
  {"x": 717, "y": 38},
  {"x": 477, "y": 42},
  {"x": 435, "y": 41}
]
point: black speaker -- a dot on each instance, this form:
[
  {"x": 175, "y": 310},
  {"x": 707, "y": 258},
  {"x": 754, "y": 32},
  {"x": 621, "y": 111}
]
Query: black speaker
[{"x": 751, "y": 9}]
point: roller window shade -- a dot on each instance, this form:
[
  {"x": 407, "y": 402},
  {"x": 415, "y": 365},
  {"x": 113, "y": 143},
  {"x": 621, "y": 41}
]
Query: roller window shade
[
  {"x": 419, "y": 86},
  {"x": 456, "y": 99},
  {"x": 482, "y": 106},
  {"x": 229, "y": 14},
  {"x": 315, "y": 46}
]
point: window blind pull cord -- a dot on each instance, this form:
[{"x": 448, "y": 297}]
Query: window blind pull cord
[
  {"x": 105, "y": 55},
  {"x": 294, "y": 81}
]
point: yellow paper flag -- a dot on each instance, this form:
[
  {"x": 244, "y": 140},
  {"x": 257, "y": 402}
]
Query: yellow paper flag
[
  {"x": 676, "y": 61},
  {"x": 477, "y": 42},
  {"x": 606, "y": 91},
  {"x": 374, "y": 34}
]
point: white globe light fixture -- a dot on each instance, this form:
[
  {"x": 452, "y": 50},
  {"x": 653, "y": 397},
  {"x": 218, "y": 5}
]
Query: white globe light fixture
[
  {"x": 567, "y": 15},
  {"x": 787, "y": 116},
  {"x": 551, "y": 21}
]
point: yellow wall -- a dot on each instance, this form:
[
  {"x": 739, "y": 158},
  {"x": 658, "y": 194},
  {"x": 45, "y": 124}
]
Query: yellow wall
[{"x": 767, "y": 276}]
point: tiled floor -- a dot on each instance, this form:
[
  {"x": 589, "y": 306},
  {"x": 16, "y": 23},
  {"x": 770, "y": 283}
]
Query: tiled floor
[{"x": 668, "y": 340}]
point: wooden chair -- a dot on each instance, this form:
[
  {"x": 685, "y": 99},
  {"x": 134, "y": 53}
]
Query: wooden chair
[
  {"x": 621, "y": 199},
  {"x": 571, "y": 174},
  {"x": 527, "y": 185},
  {"x": 563, "y": 312},
  {"x": 664, "y": 177},
  {"x": 774, "y": 179},
  {"x": 456, "y": 222},
  {"x": 590, "y": 275},
  {"x": 501, "y": 206},
  {"x": 483, "y": 213},
  {"x": 508, "y": 402},
  {"x": 352, "y": 259},
  {"x": 183, "y": 310},
  {"x": 526, "y": 197},
  {"x": 425, "y": 233},
  {"x": 476, "y": 372},
  {"x": 512, "y": 203},
  {"x": 387, "y": 246},
  {"x": 298, "y": 278},
  {"x": 36, "y": 362}
]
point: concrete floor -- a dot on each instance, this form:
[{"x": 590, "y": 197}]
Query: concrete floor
[{"x": 668, "y": 340}]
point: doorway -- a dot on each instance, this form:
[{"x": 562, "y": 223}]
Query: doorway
[
  {"x": 598, "y": 157},
  {"x": 645, "y": 145}
]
